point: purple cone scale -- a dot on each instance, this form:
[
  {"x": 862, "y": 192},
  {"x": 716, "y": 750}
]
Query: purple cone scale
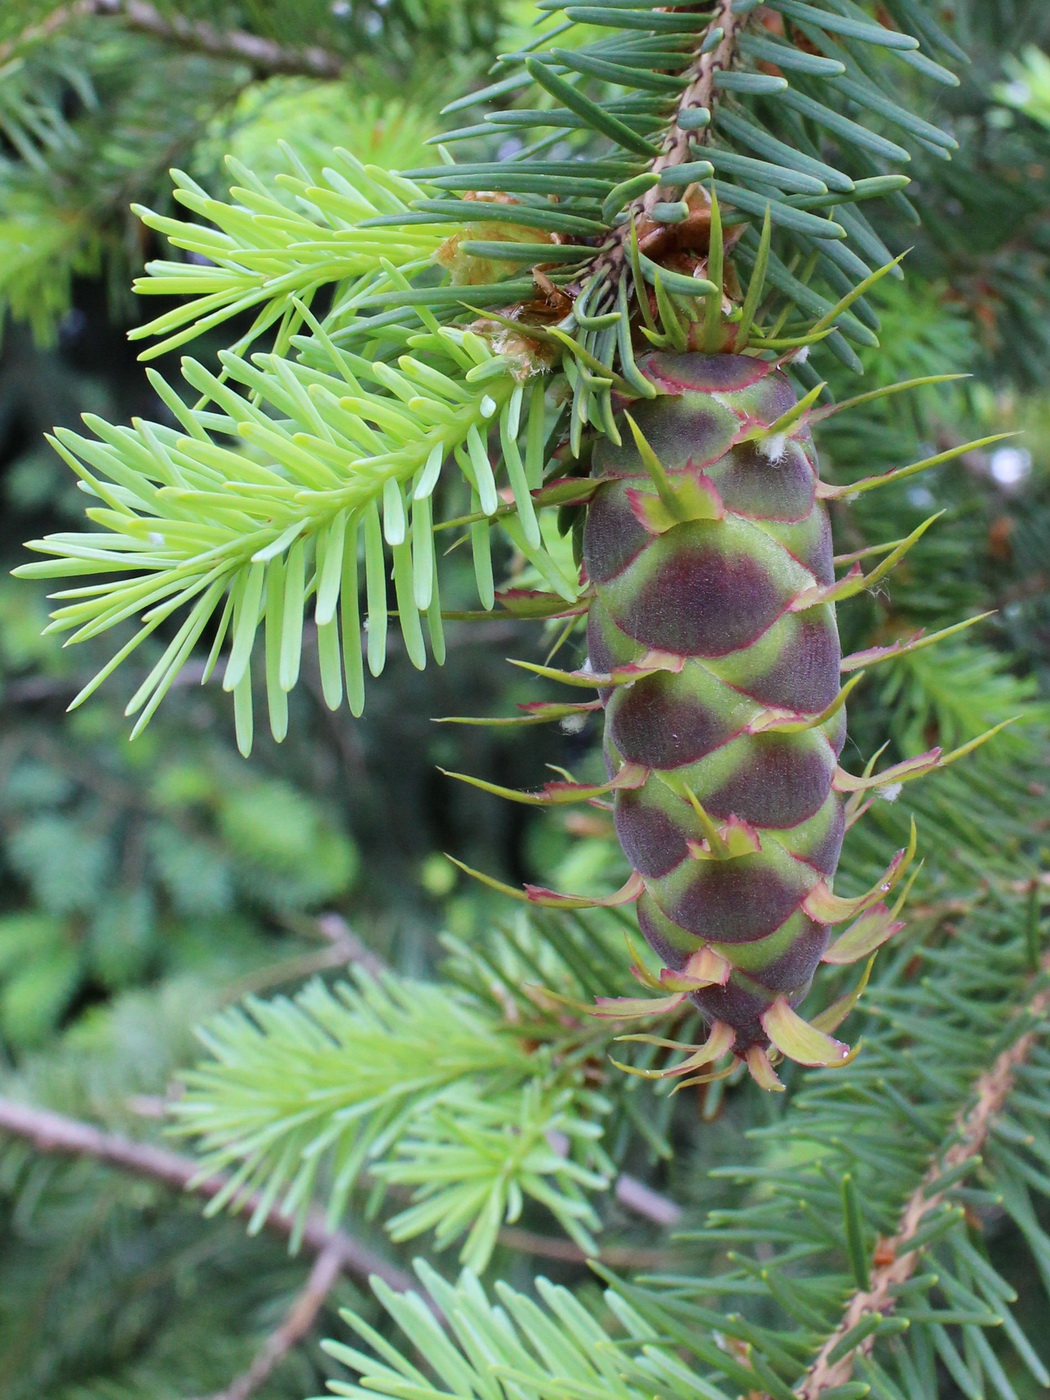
[
  {"x": 704, "y": 565},
  {"x": 713, "y": 644}
]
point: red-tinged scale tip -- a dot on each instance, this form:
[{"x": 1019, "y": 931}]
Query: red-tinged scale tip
[
  {"x": 761, "y": 1070},
  {"x": 798, "y": 1040}
]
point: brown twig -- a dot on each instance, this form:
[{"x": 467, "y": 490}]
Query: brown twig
[
  {"x": 298, "y": 1321},
  {"x": 551, "y": 1247},
  {"x": 343, "y": 946},
  {"x": 698, "y": 93},
  {"x": 36, "y": 33},
  {"x": 972, "y": 1129},
  {"x": 264, "y": 55},
  {"x": 635, "y": 1196},
  {"x": 675, "y": 148},
  {"x": 57, "y": 1135}
]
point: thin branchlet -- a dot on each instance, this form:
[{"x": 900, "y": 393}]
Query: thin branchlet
[
  {"x": 265, "y": 56},
  {"x": 293, "y": 1328},
  {"x": 970, "y": 1133},
  {"x": 700, "y": 92},
  {"x": 55, "y": 1134},
  {"x": 675, "y": 149}
]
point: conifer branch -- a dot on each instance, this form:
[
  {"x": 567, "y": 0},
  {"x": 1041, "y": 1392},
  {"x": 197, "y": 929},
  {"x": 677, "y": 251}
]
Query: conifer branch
[
  {"x": 58, "y": 1135},
  {"x": 971, "y": 1132},
  {"x": 265, "y": 55}
]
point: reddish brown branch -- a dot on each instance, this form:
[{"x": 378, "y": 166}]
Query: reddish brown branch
[
  {"x": 343, "y": 946},
  {"x": 675, "y": 148},
  {"x": 972, "y": 1129},
  {"x": 615, "y": 1256},
  {"x": 699, "y": 92},
  {"x": 298, "y": 1321},
  {"x": 264, "y": 55},
  {"x": 57, "y": 1135},
  {"x": 635, "y": 1196}
]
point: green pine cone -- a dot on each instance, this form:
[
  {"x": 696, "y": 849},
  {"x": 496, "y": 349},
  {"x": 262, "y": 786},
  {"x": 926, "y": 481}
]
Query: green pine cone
[{"x": 707, "y": 576}]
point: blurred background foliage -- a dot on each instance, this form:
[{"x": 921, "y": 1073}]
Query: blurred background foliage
[{"x": 143, "y": 885}]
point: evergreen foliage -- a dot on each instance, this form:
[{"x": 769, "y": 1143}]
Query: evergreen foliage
[{"x": 378, "y": 451}]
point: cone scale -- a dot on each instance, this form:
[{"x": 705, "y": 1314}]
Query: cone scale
[{"x": 707, "y": 548}]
